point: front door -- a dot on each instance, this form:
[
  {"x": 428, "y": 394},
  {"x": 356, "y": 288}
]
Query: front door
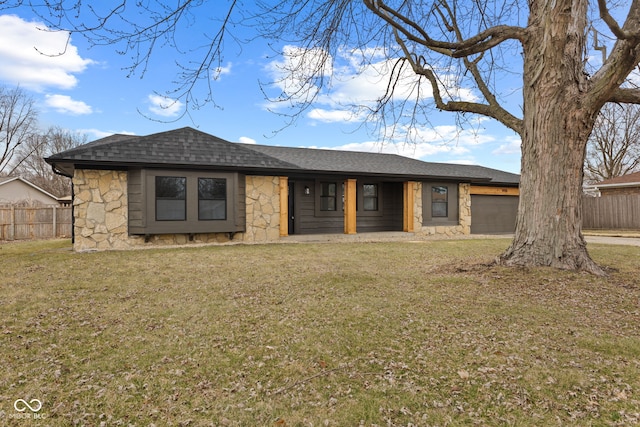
[{"x": 291, "y": 208}]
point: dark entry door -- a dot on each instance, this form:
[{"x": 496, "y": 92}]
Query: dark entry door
[{"x": 291, "y": 208}]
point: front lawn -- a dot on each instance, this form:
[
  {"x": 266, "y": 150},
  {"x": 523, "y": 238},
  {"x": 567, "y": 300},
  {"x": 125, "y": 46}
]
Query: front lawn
[{"x": 343, "y": 334}]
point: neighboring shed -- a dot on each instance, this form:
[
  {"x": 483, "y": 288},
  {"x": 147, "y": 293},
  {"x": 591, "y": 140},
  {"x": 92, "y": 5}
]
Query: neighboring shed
[
  {"x": 17, "y": 190},
  {"x": 185, "y": 185}
]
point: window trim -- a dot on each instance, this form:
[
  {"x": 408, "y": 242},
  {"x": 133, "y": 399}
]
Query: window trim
[
  {"x": 445, "y": 204},
  {"x": 339, "y": 212},
  {"x": 200, "y": 199},
  {"x": 376, "y": 197},
  {"x": 453, "y": 203},
  {"x": 335, "y": 197},
  {"x": 235, "y": 218},
  {"x": 183, "y": 199},
  {"x": 360, "y": 194}
]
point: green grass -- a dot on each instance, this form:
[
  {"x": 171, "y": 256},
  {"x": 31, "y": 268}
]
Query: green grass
[{"x": 317, "y": 334}]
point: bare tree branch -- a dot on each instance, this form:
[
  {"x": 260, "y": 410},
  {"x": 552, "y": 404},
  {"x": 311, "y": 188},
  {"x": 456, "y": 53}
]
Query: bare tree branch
[
  {"x": 614, "y": 145},
  {"x": 18, "y": 121},
  {"x": 626, "y": 95},
  {"x": 612, "y": 23}
]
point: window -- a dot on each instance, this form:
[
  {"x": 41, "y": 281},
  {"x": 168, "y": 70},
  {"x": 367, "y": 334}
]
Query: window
[
  {"x": 185, "y": 202},
  {"x": 212, "y": 199},
  {"x": 171, "y": 198},
  {"x": 328, "y": 195},
  {"x": 439, "y": 205},
  {"x": 370, "y": 197}
]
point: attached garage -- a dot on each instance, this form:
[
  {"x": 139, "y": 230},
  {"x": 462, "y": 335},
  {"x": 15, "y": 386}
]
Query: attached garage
[{"x": 493, "y": 213}]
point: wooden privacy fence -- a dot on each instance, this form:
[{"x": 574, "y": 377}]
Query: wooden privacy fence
[
  {"x": 621, "y": 212},
  {"x": 44, "y": 222}
]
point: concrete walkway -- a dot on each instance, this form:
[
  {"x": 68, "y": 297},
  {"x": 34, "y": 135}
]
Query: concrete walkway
[
  {"x": 399, "y": 236},
  {"x": 611, "y": 240}
]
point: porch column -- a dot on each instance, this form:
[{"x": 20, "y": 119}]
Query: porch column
[
  {"x": 407, "y": 211},
  {"x": 350, "y": 206},
  {"x": 284, "y": 206}
]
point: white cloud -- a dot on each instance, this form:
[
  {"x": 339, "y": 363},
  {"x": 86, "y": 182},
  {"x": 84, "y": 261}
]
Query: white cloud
[
  {"x": 351, "y": 84},
  {"x": 98, "y": 134},
  {"x": 65, "y": 105},
  {"x": 36, "y": 57},
  {"x": 164, "y": 106},
  {"x": 330, "y": 116},
  {"x": 440, "y": 141},
  {"x": 512, "y": 146},
  {"x": 221, "y": 71},
  {"x": 246, "y": 140}
]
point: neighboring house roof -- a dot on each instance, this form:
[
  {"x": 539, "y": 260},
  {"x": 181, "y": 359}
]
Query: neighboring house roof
[
  {"x": 20, "y": 192},
  {"x": 629, "y": 180},
  {"x": 190, "y": 148}
]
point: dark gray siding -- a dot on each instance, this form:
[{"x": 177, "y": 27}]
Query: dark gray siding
[
  {"x": 136, "y": 200},
  {"x": 390, "y": 217},
  {"x": 241, "y": 205},
  {"x": 452, "y": 204},
  {"x": 308, "y": 219},
  {"x": 493, "y": 214},
  {"x": 142, "y": 217}
]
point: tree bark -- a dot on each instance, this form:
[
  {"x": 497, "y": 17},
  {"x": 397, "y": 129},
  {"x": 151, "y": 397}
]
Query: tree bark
[{"x": 557, "y": 121}]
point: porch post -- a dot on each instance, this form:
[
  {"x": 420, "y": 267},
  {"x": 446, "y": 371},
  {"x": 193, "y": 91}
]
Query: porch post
[
  {"x": 350, "y": 206},
  {"x": 284, "y": 206},
  {"x": 407, "y": 211}
]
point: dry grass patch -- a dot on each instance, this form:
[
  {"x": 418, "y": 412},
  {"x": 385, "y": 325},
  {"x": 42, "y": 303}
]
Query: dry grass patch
[{"x": 317, "y": 334}]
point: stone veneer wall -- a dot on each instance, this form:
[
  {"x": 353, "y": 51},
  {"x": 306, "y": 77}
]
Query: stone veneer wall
[
  {"x": 263, "y": 209},
  {"x": 100, "y": 210},
  {"x": 101, "y": 214},
  {"x": 464, "y": 214}
]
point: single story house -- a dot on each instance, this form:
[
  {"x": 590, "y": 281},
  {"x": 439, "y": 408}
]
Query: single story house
[
  {"x": 622, "y": 185},
  {"x": 18, "y": 191},
  {"x": 186, "y": 186}
]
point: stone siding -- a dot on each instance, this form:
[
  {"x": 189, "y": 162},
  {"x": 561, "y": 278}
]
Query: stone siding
[
  {"x": 100, "y": 210},
  {"x": 101, "y": 214},
  {"x": 464, "y": 214},
  {"x": 263, "y": 209}
]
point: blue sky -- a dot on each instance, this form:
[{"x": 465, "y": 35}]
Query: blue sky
[{"x": 87, "y": 89}]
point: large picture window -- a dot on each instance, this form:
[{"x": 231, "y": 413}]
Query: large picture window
[
  {"x": 212, "y": 199},
  {"x": 171, "y": 198}
]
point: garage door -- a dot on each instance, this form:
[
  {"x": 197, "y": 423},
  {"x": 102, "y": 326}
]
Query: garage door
[{"x": 493, "y": 214}]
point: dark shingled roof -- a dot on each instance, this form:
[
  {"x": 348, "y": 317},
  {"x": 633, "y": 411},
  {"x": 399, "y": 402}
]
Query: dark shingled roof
[
  {"x": 180, "y": 147},
  {"x": 191, "y": 148}
]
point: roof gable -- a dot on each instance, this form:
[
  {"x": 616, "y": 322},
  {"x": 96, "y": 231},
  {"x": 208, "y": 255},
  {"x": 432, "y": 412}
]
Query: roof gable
[{"x": 19, "y": 181}]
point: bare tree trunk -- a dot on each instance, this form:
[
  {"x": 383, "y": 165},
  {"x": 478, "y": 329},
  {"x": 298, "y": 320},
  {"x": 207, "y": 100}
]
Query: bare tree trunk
[{"x": 556, "y": 126}]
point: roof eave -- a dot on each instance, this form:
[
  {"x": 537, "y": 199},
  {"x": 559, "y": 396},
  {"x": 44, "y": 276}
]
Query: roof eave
[
  {"x": 67, "y": 167},
  {"x": 620, "y": 185}
]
